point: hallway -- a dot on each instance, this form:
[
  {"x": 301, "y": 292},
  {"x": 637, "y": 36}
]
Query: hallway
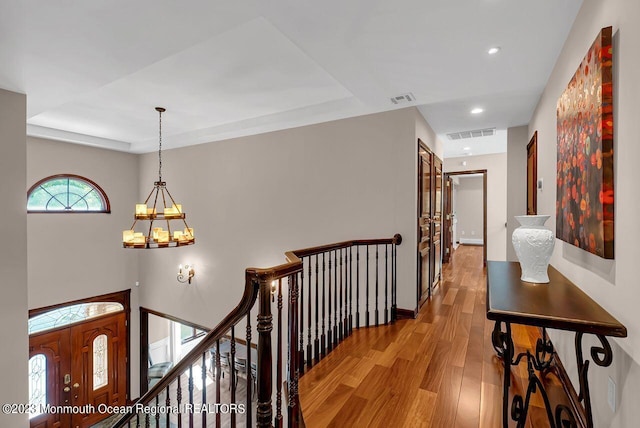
[{"x": 439, "y": 370}]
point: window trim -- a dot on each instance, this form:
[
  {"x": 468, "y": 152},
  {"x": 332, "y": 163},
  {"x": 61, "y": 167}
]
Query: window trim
[{"x": 101, "y": 192}]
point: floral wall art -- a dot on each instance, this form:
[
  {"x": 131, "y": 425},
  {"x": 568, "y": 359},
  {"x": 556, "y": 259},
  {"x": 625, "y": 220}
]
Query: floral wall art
[{"x": 584, "y": 199}]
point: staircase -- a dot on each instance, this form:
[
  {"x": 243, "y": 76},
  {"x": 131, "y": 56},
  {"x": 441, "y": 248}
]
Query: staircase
[{"x": 299, "y": 311}]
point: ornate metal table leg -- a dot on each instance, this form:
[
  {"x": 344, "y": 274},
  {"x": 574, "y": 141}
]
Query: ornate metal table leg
[
  {"x": 602, "y": 356},
  {"x": 503, "y": 344}
]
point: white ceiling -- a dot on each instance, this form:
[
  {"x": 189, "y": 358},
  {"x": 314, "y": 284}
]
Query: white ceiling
[{"x": 93, "y": 71}]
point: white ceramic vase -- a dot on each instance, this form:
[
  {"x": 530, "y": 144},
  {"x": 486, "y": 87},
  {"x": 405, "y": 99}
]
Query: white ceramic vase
[{"x": 534, "y": 244}]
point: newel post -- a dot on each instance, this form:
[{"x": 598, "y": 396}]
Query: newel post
[
  {"x": 294, "y": 361},
  {"x": 264, "y": 412}
]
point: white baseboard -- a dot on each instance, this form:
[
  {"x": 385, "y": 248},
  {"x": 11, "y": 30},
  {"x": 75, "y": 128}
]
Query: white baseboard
[{"x": 471, "y": 241}]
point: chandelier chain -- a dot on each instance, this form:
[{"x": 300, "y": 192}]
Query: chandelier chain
[{"x": 160, "y": 149}]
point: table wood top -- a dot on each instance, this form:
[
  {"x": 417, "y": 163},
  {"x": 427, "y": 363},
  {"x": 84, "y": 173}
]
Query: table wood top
[{"x": 560, "y": 304}]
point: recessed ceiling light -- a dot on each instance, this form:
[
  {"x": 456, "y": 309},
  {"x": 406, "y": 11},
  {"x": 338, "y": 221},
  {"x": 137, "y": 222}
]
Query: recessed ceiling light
[
  {"x": 493, "y": 50},
  {"x": 477, "y": 110},
  {"x": 467, "y": 148}
]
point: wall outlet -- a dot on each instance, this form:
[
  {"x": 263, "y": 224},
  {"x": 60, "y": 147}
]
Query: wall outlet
[{"x": 611, "y": 394}]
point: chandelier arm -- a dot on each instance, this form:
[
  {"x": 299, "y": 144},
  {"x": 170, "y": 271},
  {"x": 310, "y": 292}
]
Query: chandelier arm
[
  {"x": 149, "y": 235},
  {"x": 155, "y": 200},
  {"x": 165, "y": 204},
  {"x": 171, "y": 197},
  {"x": 148, "y": 197}
]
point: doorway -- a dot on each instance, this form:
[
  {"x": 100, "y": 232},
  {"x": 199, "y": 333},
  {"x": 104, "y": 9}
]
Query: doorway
[
  {"x": 78, "y": 356},
  {"x": 455, "y": 199}
]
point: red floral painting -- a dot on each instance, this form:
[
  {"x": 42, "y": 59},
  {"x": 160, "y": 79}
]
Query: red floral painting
[{"x": 584, "y": 199}]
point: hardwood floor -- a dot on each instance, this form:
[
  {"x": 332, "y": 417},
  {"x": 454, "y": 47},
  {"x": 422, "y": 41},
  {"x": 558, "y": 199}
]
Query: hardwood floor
[{"x": 439, "y": 370}]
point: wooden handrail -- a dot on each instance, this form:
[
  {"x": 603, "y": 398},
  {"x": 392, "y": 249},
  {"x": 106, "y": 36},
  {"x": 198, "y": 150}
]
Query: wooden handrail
[
  {"x": 298, "y": 254},
  {"x": 246, "y": 303},
  {"x": 258, "y": 284}
]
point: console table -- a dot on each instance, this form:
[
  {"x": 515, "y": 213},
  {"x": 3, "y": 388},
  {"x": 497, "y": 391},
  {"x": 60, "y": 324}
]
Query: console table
[{"x": 560, "y": 304}]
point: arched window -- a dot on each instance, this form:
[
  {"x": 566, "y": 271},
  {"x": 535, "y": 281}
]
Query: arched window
[
  {"x": 71, "y": 314},
  {"x": 64, "y": 193}
]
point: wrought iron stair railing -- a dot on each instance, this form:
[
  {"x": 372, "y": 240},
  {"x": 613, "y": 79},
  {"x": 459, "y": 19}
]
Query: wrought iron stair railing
[{"x": 225, "y": 381}]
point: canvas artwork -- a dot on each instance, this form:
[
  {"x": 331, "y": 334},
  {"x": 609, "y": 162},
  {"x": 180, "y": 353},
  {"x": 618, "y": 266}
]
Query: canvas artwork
[{"x": 584, "y": 199}]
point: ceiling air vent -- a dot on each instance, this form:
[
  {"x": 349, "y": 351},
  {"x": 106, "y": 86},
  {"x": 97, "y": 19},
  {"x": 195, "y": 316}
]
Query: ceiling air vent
[
  {"x": 404, "y": 98},
  {"x": 472, "y": 134}
]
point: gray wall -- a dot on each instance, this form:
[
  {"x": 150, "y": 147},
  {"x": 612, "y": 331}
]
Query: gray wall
[
  {"x": 469, "y": 196},
  {"x": 13, "y": 255},
  {"x": 76, "y": 256},
  {"x": 517, "y": 140},
  {"x": 250, "y": 199},
  {"x": 612, "y": 283},
  {"x": 496, "y": 166}
]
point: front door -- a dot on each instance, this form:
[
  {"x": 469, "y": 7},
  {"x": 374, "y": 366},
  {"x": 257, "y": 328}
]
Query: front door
[
  {"x": 83, "y": 365},
  {"x": 424, "y": 223}
]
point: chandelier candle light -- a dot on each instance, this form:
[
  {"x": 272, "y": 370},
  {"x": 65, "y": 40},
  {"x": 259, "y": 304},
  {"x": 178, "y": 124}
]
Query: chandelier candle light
[{"x": 164, "y": 208}]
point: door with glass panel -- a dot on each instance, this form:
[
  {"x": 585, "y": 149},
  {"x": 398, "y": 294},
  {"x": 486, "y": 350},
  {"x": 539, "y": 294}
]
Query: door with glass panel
[{"x": 83, "y": 365}]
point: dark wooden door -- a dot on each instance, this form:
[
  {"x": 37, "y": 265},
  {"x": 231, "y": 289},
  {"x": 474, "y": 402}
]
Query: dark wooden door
[
  {"x": 99, "y": 366},
  {"x": 424, "y": 224},
  {"x": 436, "y": 223},
  {"x": 532, "y": 175},
  {"x": 50, "y": 361},
  {"x": 447, "y": 235},
  {"x": 85, "y": 365}
]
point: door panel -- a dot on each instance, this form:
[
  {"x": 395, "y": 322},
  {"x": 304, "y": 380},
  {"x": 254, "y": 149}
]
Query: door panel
[
  {"x": 99, "y": 365},
  {"x": 424, "y": 224},
  {"x": 54, "y": 346},
  {"x": 447, "y": 235},
  {"x": 436, "y": 237},
  {"x": 532, "y": 175},
  {"x": 74, "y": 358}
]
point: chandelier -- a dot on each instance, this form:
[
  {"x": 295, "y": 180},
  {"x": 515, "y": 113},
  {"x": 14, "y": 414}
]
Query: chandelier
[{"x": 163, "y": 209}]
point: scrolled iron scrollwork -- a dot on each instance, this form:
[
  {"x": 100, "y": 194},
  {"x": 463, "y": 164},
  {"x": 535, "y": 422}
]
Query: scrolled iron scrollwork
[
  {"x": 602, "y": 356},
  {"x": 564, "y": 417},
  {"x": 500, "y": 340},
  {"x": 544, "y": 352}
]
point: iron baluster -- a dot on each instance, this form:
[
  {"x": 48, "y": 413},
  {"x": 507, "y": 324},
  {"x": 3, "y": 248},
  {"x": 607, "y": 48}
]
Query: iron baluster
[
  {"x": 234, "y": 374},
  {"x": 377, "y": 275},
  {"x": 329, "y": 332},
  {"x": 157, "y": 416},
  {"x": 386, "y": 283},
  {"x": 179, "y": 401},
  {"x": 340, "y": 328},
  {"x": 323, "y": 336},
  {"x": 301, "y": 323},
  {"x": 357, "y": 286},
  {"x": 218, "y": 376},
  {"x": 278, "y": 419},
  {"x": 316, "y": 343},
  {"x": 309, "y": 314},
  {"x": 335, "y": 299},
  {"x": 366, "y": 316},
  {"x": 204, "y": 389},
  {"x": 249, "y": 372}
]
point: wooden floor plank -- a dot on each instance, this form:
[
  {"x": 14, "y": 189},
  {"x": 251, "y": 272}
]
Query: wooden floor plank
[{"x": 438, "y": 370}]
